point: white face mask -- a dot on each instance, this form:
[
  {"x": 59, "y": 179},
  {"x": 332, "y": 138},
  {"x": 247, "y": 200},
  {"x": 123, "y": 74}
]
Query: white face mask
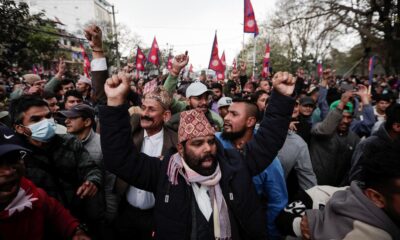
[{"x": 44, "y": 130}]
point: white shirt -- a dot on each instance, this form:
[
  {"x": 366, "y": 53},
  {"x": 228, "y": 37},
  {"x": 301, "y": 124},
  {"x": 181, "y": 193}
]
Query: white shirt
[{"x": 151, "y": 146}]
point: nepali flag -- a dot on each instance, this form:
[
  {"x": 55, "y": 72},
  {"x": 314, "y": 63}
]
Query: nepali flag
[
  {"x": 169, "y": 62},
  {"x": 215, "y": 63},
  {"x": 265, "y": 71},
  {"x": 320, "y": 70},
  {"x": 234, "y": 64},
  {"x": 250, "y": 23},
  {"x": 221, "y": 75},
  {"x": 140, "y": 60},
  {"x": 371, "y": 66},
  {"x": 153, "y": 54},
  {"x": 223, "y": 61},
  {"x": 86, "y": 62},
  {"x": 191, "y": 68}
]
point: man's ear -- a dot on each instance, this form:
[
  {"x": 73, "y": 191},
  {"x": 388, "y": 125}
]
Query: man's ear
[
  {"x": 180, "y": 149},
  {"x": 251, "y": 122},
  {"x": 19, "y": 129},
  {"x": 166, "y": 115},
  {"x": 376, "y": 197},
  {"x": 87, "y": 122}
]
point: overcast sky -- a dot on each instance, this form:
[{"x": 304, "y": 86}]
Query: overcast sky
[{"x": 190, "y": 24}]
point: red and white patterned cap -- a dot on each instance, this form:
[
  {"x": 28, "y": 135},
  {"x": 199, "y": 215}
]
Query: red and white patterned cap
[{"x": 193, "y": 123}]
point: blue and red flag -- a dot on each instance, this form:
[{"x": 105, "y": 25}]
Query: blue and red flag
[
  {"x": 221, "y": 75},
  {"x": 265, "y": 71},
  {"x": 215, "y": 62},
  {"x": 169, "y": 62},
  {"x": 249, "y": 23},
  {"x": 153, "y": 56},
  {"x": 140, "y": 60},
  {"x": 86, "y": 62},
  {"x": 371, "y": 67}
]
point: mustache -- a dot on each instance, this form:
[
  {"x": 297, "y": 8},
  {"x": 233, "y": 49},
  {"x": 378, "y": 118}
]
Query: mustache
[
  {"x": 208, "y": 155},
  {"x": 146, "y": 118}
]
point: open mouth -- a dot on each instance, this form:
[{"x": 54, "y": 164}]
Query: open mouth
[{"x": 207, "y": 162}]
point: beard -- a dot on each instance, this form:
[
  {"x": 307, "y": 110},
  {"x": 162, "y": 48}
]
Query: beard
[
  {"x": 194, "y": 162},
  {"x": 232, "y": 136},
  {"x": 216, "y": 98}
]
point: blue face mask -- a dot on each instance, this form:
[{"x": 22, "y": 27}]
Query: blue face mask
[{"x": 44, "y": 130}]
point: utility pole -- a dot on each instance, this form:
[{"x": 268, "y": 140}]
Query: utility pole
[{"x": 115, "y": 37}]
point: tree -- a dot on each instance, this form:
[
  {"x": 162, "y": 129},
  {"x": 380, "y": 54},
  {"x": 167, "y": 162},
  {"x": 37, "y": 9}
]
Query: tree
[
  {"x": 308, "y": 40},
  {"x": 24, "y": 38},
  {"x": 376, "y": 22}
]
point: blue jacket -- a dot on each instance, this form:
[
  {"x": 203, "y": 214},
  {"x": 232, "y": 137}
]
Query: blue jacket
[{"x": 270, "y": 184}]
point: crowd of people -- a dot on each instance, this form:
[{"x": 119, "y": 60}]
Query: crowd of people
[{"x": 170, "y": 157}]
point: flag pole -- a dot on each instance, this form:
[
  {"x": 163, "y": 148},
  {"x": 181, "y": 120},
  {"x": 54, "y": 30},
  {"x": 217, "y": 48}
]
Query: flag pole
[
  {"x": 254, "y": 57},
  {"x": 243, "y": 42}
]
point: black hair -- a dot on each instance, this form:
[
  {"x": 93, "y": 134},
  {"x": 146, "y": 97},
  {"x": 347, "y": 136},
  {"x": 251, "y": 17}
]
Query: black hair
[
  {"x": 252, "y": 108},
  {"x": 384, "y": 97},
  {"x": 216, "y": 85},
  {"x": 20, "y": 105},
  {"x": 73, "y": 93},
  {"x": 392, "y": 116},
  {"x": 381, "y": 167},
  {"x": 264, "y": 80},
  {"x": 66, "y": 82},
  {"x": 258, "y": 94},
  {"x": 48, "y": 95}
]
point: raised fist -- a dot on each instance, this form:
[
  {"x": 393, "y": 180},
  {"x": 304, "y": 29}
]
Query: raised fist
[
  {"x": 117, "y": 88},
  {"x": 284, "y": 82},
  {"x": 178, "y": 63}
]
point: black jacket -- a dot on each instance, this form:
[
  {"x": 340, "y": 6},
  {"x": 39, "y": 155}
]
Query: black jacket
[{"x": 173, "y": 210}]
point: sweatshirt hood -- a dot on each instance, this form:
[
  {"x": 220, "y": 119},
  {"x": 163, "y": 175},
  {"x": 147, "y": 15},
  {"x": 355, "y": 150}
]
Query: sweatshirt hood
[{"x": 353, "y": 204}]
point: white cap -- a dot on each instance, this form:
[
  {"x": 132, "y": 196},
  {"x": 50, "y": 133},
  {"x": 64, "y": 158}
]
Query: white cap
[
  {"x": 224, "y": 101},
  {"x": 85, "y": 80},
  {"x": 196, "y": 89}
]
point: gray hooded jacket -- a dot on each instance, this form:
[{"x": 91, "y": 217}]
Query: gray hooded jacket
[{"x": 349, "y": 215}]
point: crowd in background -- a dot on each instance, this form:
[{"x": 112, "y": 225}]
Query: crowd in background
[{"x": 334, "y": 173}]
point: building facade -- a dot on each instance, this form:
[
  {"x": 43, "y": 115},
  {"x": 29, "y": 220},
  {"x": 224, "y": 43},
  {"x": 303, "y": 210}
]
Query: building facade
[{"x": 74, "y": 15}]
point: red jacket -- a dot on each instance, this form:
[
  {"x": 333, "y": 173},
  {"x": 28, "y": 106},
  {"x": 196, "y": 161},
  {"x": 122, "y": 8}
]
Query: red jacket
[{"x": 32, "y": 212}]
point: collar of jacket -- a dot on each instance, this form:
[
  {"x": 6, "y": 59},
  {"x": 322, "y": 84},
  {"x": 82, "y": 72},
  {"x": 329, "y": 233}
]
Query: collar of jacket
[{"x": 89, "y": 137}]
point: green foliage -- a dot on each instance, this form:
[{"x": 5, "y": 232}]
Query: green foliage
[{"x": 23, "y": 37}]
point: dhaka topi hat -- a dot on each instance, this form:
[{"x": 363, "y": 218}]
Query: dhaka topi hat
[{"x": 193, "y": 123}]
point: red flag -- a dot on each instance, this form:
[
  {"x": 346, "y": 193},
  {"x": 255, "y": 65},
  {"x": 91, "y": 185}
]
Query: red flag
[
  {"x": 86, "y": 62},
  {"x": 140, "y": 60},
  {"x": 265, "y": 71},
  {"x": 250, "y": 23},
  {"x": 320, "y": 69},
  {"x": 169, "y": 63},
  {"x": 221, "y": 75},
  {"x": 153, "y": 54},
  {"x": 191, "y": 68},
  {"x": 234, "y": 64},
  {"x": 223, "y": 60},
  {"x": 215, "y": 63}
]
